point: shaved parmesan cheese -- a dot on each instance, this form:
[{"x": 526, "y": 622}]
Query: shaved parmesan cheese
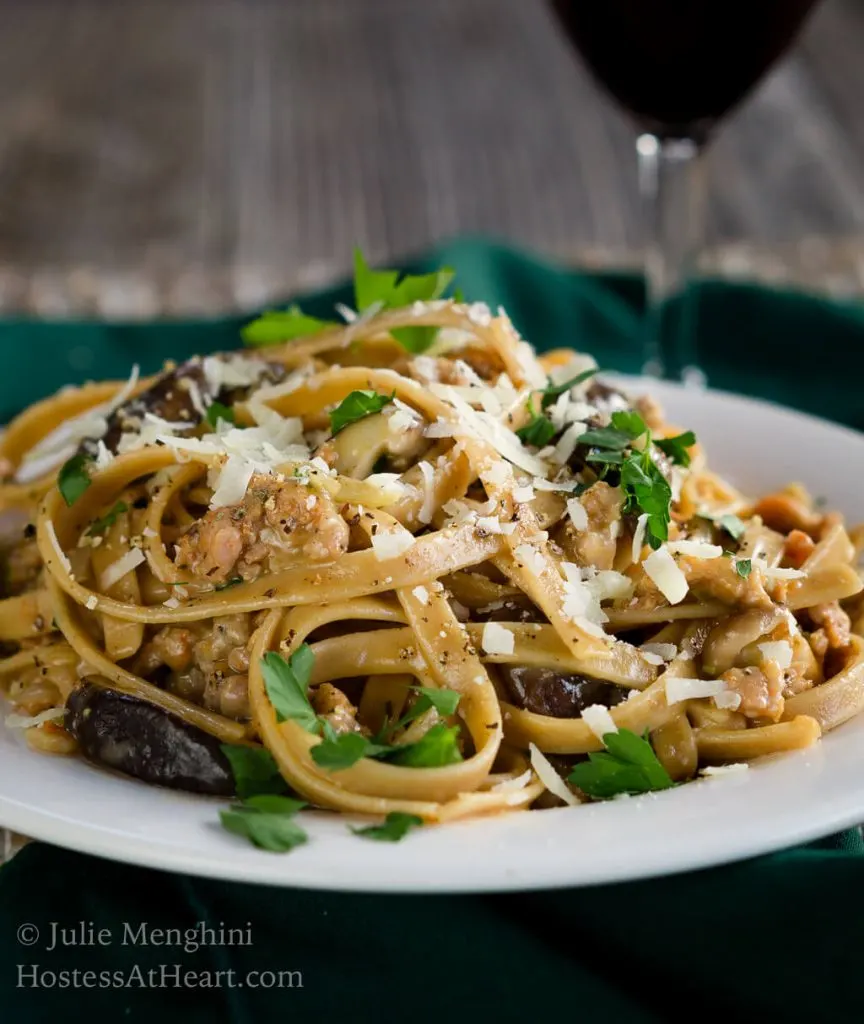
[
  {"x": 234, "y": 478},
  {"x": 391, "y": 544},
  {"x": 52, "y": 536},
  {"x": 652, "y": 659},
  {"x": 531, "y": 557},
  {"x": 523, "y": 494},
  {"x": 480, "y": 314},
  {"x": 92, "y": 603},
  {"x": 695, "y": 548},
  {"x": 496, "y": 639},
  {"x": 663, "y": 570},
  {"x": 121, "y": 567},
  {"x": 427, "y": 509},
  {"x": 558, "y": 412},
  {"x": 235, "y": 371},
  {"x": 542, "y": 484},
  {"x": 172, "y": 602},
  {"x": 724, "y": 769},
  {"x": 498, "y": 474},
  {"x": 665, "y": 652},
  {"x": 532, "y": 371},
  {"x": 728, "y": 701},
  {"x": 779, "y": 651},
  {"x": 104, "y": 458},
  {"x": 608, "y": 585},
  {"x": 148, "y": 531},
  {"x": 32, "y": 721},
  {"x": 567, "y": 444},
  {"x": 422, "y": 594},
  {"x": 510, "y": 785},
  {"x": 678, "y": 689},
  {"x": 549, "y": 777},
  {"x": 599, "y": 720},
  {"x": 782, "y": 574},
  {"x": 489, "y": 524},
  {"x": 639, "y": 536},
  {"x": 577, "y": 513}
]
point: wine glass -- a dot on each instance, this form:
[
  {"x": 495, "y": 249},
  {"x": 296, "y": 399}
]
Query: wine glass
[{"x": 678, "y": 67}]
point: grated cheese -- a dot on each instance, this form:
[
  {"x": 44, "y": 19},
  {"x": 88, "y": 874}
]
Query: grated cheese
[
  {"x": 663, "y": 570},
  {"x": 577, "y": 513},
  {"x": 542, "y": 484},
  {"x": 666, "y": 652},
  {"x": 236, "y": 371},
  {"x": 678, "y": 689},
  {"x": 32, "y": 721},
  {"x": 549, "y": 777},
  {"x": 567, "y": 444},
  {"x": 496, "y": 639},
  {"x": 125, "y": 564},
  {"x": 782, "y": 574},
  {"x": 92, "y": 603},
  {"x": 498, "y": 474},
  {"x": 695, "y": 548},
  {"x": 422, "y": 594},
  {"x": 779, "y": 651},
  {"x": 427, "y": 509},
  {"x": 729, "y": 700},
  {"x": 725, "y": 769},
  {"x": 531, "y": 557},
  {"x": 599, "y": 720},
  {"x": 490, "y": 524},
  {"x": 523, "y": 494},
  {"x": 391, "y": 544}
]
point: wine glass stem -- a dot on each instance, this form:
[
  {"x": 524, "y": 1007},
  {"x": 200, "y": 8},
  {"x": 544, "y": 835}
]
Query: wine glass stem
[{"x": 672, "y": 189}]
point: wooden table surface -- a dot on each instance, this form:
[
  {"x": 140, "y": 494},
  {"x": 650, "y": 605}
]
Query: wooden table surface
[{"x": 213, "y": 152}]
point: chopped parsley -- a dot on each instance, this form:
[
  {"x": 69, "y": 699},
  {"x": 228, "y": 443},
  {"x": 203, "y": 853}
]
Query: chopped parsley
[
  {"x": 104, "y": 523},
  {"x": 743, "y": 566},
  {"x": 732, "y": 525},
  {"x": 254, "y": 769},
  {"x": 267, "y": 821},
  {"x": 676, "y": 447},
  {"x": 357, "y": 406},
  {"x": 646, "y": 489},
  {"x": 278, "y": 325},
  {"x": 538, "y": 431},
  {"x": 395, "y": 826},
  {"x": 390, "y": 289},
  {"x": 74, "y": 479},
  {"x": 628, "y": 765},
  {"x": 217, "y": 411},
  {"x": 287, "y": 684},
  {"x": 556, "y": 390}
]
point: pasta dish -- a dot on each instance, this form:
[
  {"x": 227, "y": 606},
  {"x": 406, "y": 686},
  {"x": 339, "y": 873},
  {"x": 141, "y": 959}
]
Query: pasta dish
[{"x": 402, "y": 566}]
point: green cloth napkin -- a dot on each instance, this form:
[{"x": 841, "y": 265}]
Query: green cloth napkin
[{"x": 772, "y": 938}]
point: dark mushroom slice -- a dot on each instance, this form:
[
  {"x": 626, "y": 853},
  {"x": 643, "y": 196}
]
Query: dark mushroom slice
[
  {"x": 171, "y": 399},
  {"x": 141, "y": 740}
]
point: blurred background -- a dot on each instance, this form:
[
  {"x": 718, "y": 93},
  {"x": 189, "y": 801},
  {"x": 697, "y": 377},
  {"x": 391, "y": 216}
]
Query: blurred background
[{"x": 186, "y": 156}]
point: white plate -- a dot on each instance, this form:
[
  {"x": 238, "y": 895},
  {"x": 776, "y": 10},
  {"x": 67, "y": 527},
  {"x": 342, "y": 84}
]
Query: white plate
[{"x": 781, "y": 802}]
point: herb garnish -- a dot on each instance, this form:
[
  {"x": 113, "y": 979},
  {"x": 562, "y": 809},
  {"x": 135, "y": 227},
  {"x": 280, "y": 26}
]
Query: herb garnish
[
  {"x": 395, "y": 826},
  {"x": 74, "y": 479},
  {"x": 538, "y": 431},
  {"x": 278, "y": 325},
  {"x": 628, "y": 765},
  {"x": 267, "y": 820},
  {"x": 556, "y": 390},
  {"x": 389, "y": 289},
  {"x": 217, "y": 411},
  {"x": 676, "y": 447},
  {"x": 357, "y": 406},
  {"x": 732, "y": 525},
  {"x": 233, "y": 582},
  {"x": 105, "y": 522},
  {"x": 743, "y": 566},
  {"x": 254, "y": 769},
  {"x": 287, "y": 685}
]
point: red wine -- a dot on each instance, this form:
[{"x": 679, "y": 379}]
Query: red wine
[{"x": 679, "y": 66}]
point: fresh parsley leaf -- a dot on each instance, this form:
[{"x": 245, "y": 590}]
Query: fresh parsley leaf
[
  {"x": 676, "y": 447},
  {"x": 278, "y": 325},
  {"x": 267, "y": 821},
  {"x": 74, "y": 479},
  {"x": 357, "y": 406},
  {"x": 628, "y": 765},
  {"x": 539, "y": 430},
  {"x": 254, "y": 769},
  {"x": 287, "y": 684},
  {"x": 395, "y": 827},
  {"x": 444, "y": 701},
  {"x": 743, "y": 566},
  {"x": 629, "y": 422},
  {"x": 233, "y": 582},
  {"x": 438, "y": 747},
  {"x": 105, "y": 522},
  {"x": 605, "y": 458},
  {"x": 389, "y": 291},
  {"x": 217, "y": 411},
  {"x": 556, "y": 390},
  {"x": 342, "y": 750},
  {"x": 607, "y": 438},
  {"x": 732, "y": 525},
  {"x": 647, "y": 490},
  {"x": 458, "y": 295}
]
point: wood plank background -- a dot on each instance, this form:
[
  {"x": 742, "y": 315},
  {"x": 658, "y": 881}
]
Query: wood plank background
[{"x": 193, "y": 153}]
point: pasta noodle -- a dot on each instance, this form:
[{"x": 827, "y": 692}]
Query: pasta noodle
[{"x": 412, "y": 575}]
